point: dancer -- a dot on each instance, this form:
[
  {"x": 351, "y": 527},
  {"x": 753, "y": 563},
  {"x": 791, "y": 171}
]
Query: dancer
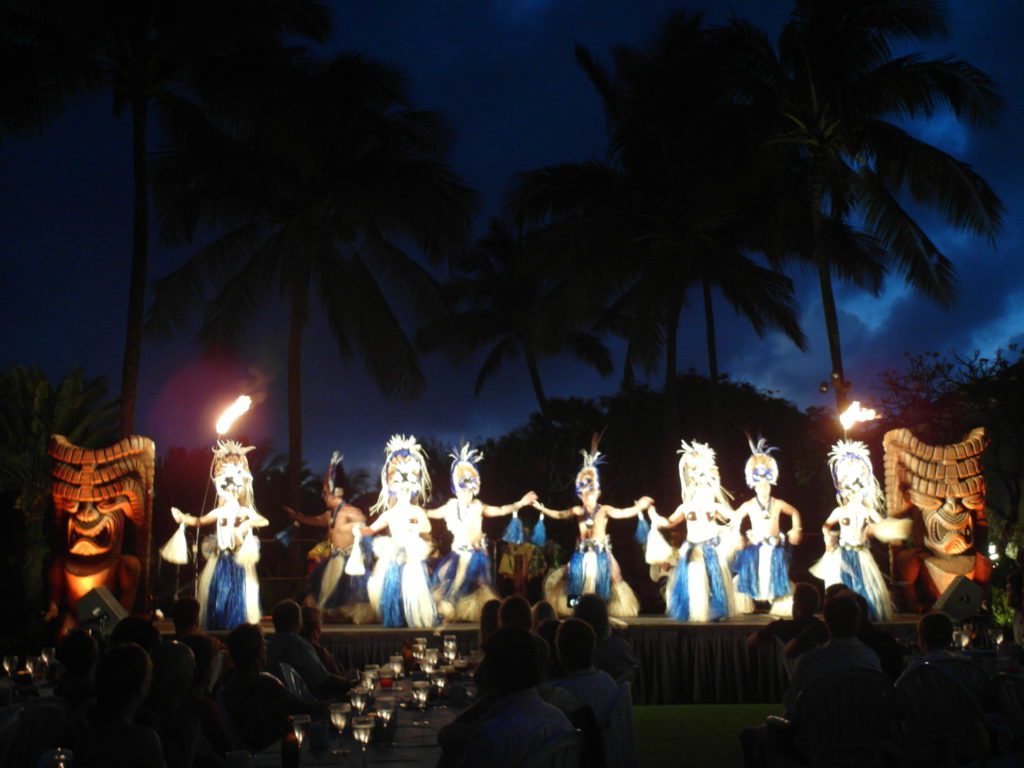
[
  {"x": 762, "y": 567},
  {"x": 399, "y": 588},
  {"x": 229, "y": 592},
  {"x": 592, "y": 568},
  {"x": 338, "y": 595},
  {"x": 462, "y": 580},
  {"x": 699, "y": 585},
  {"x": 858, "y": 516}
]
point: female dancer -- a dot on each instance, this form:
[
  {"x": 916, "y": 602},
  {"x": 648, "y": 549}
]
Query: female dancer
[
  {"x": 762, "y": 567},
  {"x": 462, "y": 580},
  {"x": 592, "y": 569},
  {"x": 229, "y": 592},
  {"x": 858, "y": 516},
  {"x": 699, "y": 585},
  {"x": 399, "y": 588}
]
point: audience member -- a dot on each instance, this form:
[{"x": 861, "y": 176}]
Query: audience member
[
  {"x": 165, "y": 712},
  {"x": 515, "y": 612},
  {"x": 138, "y": 630},
  {"x": 207, "y": 656},
  {"x": 184, "y": 613},
  {"x": 842, "y": 651},
  {"x": 519, "y": 724},
  {"x": 934, "y": 638},
  {"x": 257, "y": 703},
  {"x": 312, "y": 629},
  {"x": 802, "y": 632},
  {"x": 488, "y": 621},
  {"x": 548, "y": 630},
  {"x": 612, "y": 654},
  {"x": 575, "y": 642},
  {"x": 288, "y": 646},
  {"x": 542, "y": 611},
  {"x": 78, "y": 653},
  {"x": 890, "y": 654},
  {"x": 105, "y": 733}
]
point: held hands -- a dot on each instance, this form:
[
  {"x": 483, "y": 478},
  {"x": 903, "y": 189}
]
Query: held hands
[
  {"x": 644, "y": 503},
  {"x": 529, "y": 500},
  {"x": 178, "y": 516},
  {"x": 795, "y": 536}
]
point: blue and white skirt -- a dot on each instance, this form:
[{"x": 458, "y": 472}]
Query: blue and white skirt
[
  {"x": 762, "y": 571},
  {"x": 699, "y": 586},
  {"x": 856, "y": 568},
  {"x": 229, "y": 592},
  {"x": 399, "y": 588},
  {"x": 589, "y": 572},
  {"x": 462, "y": 584}
]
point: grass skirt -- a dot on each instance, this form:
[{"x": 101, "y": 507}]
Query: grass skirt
[
  {"x": 856, "y": 568},
  {"x": 462, "y": 584},
  {"x": 229, "y": 592},
  {"x": 399, "y": 588},
  {"x": 699, "y": 586}
]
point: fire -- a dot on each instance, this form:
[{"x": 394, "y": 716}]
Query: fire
[
  {"x": 855, "y": 414},
  {"x": 233, "y": 411}
]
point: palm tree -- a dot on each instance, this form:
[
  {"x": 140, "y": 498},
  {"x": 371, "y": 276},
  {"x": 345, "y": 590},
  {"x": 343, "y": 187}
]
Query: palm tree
[
  {"x": 315, "y": 173},
  {"x": 676, "y": 206},
  {"x": 145, "y": 52},
  {"x": 834, "y": 93},
  {"x": 504, "y": 303}
]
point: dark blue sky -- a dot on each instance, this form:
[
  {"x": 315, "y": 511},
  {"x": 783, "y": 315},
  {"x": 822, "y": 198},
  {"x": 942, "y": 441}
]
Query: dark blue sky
[{"x": 504, "y": 74}]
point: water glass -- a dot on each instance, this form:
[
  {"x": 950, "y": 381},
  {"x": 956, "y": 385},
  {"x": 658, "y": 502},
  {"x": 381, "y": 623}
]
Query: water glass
[
  {"x": 995, "y": 636},
  {"x": 451, "y": 652},
  {"x": 427, "y": 666},
  {"x": 432, "y": 655},
  {"x": 440, "y": 682},
  {"x": 386, "y": 708},
  {"x": 362, "y": 729},
  {"x": 30, "y": 665},
  {"x": 300, "y": 725},
  {"x": 370, "y": 677},
  {"x": 397, "y": 665},
  {"x": 57, "y": 758},
  {"x": 339, "y": 716},
  {"x": 10, "y": 665},
  {"x": 421, "y": 694},
  {"x": 358, "y": 697},
  {"x": 48, "y": 654}
]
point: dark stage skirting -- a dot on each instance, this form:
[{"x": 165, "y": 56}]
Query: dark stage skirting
[{"x": 679, "y": 663}]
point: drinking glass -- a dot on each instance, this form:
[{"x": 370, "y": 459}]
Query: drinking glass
[
  {"x": 965, "y": 636},
  {"x": 451, "y": 651},
  {"x": 370, "y": 676},
  {"x": 418, "y": 651},
  {"x": 56, "y": 758},
  {"x": 301, "y": 725},
  {"x": 339, "y": 719},
  {"x": 421, "y": 694},
  {"x": 995, "y": 636},
  {"x": 440, "y": 681},
  {"x": 432, "y": 655},
  {"x": 386, "y": 709},
  {"x": 10, "y": 665},
  {"x": 959, "y": 639},
  {"x": 362, "y": 729},
  {"x": 386, "y": 677},
  {"x": 397, "y": 665},
  {"x": 30, "y": 665},
  {"x": 357, "y": 698},
  {"x": 48, "y": 655},
  {"x": 427, "y": 666}
]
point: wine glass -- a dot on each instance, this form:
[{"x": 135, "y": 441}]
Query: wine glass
[
  {"x": 421, "y": 694},
  {"x": 432, "y": 655},
  {"x": 339, "y": 719},
  {"x": 397, "y": 665},
  {"x": 959, "y": 639},
  {"x": 965, "y": 636},
  {"x": 48, "y": 654},
  {"x": 440, "y": 683},
  {"x": 370, "y": 672},
  {"x": 995, "y": 636},
  {"x": 427, "y": 666},
  {"x": 301, "y": 725},
  {"x": 357, "y": 698},
  {"x": 362, "y": 729},
  {"x": 30, "y": 665},
  {"x": 451, "y": 648},
  {"x": 10, "y": 665},
  {"x": 418, "y": 651}
]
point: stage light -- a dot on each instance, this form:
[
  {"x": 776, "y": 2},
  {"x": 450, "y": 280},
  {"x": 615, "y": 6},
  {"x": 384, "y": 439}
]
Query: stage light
[
  {"x": 855, "y": 414},
  {"x": 233, "y": 411}
]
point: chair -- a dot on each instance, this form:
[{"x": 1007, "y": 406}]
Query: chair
[
  {"x": 838, "y": 720},
  {"x": 1008, "y": 692},
  {"x": 229, "y": 725},
  {"x": 43, "y": 725},
  {"x": 971, "y": 676},
  {"x": 10, "y": 719},
  {"x": 564, "y": 752},
  {"x": 942, "y": 721},
  {"x": 593, "y": 750},
  {"x": 619, "y": 731},
  {"x": 293, "y": 682}
]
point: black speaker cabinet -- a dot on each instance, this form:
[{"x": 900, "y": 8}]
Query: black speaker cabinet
[
  {"x": 961, "y": 600},
  {"x": 99, "y": 609}
]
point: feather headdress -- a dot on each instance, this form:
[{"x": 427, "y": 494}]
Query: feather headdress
[
  {"x": 850, "y": 464},
  {"x": 464, "y": 456},
  {"x": 331, "y": 476},
  {"x": 401, "y": 447},
  {"x": 698, "y": 470},
  {"x": 761, "y": 458},
  {"x": 231, "y": 452},
  {"x": 589, "y": 473}
]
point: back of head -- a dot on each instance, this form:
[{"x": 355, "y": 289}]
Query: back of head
[
  {"x": 806, "y": 600},
  {"x": 542, "y": 611},
  {"x": 593, "y": 610},
  {"x": 575, "y": 641},
  {"x": 173, "y": 669},
  {"x": 287, "y": 616},
  {"x": 185, "y": 615},
  {"x": 934, "y": 632},
  {"x": 510, "y": 660},
  {"x": 515, "y": 612},
  {"x": 138, "y": 630},
  {"x": 489, "y": 620},
  {"x": 247, "y": 647},
  {"x": 122, "y": 678},
  {"x": 79, "y": 652},
  {"x": 835, "y": 589},
  {"x": 312, "y": 623},
  {"x": 548, "y": 630},
  {"x": 204, "y": 652},
  {"x": 842, "y": 615}
]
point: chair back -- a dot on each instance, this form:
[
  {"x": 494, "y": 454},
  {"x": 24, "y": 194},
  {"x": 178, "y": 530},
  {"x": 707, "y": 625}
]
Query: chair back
[
  {"x": 942, "y": 720},
  {"x": 43, "y": 725},
  {"x": 1009, "y": 699},
  {"x": 10, "y": 719},
  {"x": 971, "y": 675},
  {"x": 229, "y": 725},
  {"x": 564, "y": 752},
  {"x": 840, "y": 718},
  {"x": 293, "y": 682},
  {"x": 619, "y": 731},
  {"x": 593, "y": 751}
]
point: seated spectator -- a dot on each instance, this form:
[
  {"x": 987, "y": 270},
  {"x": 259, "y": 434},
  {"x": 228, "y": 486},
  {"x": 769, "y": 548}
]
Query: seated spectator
[
  {"x": 612, "y": 654},
  {"x": 802, "y": 632},
  {"x": 842, "y": 651},
  {"x": 312, "y": 628},
  {"x": 890, "y": 653},
  {"x": 575, "y": 642},
  {"x": 164, "y": 711},
  {"x": 185, "y": 615},
  {"x": 542, "y": 611},
  {"x": 288, "y": 646},
  {"x": 519, "y": 724},
  {"x": 548, "y": 630},
  {"x": 515, "y": 612},
  {"x": 78, "y": 653},
  {"x": 258, "y": 704},
  {"x": 199, "y": 698},
  {"x": 934, "y": 639},
  {"x": 105, "y": 733},
  {"x": 138, "y": 630}
]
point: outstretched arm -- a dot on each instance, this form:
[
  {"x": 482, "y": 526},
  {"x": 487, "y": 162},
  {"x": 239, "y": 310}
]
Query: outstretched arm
[
  {"x": 377, "y": 526},
  {"x": 826, "y": 527},
  {"x": 796, "y": 529},
  {"x": 323, "y": 520},
  {"x": 558, "y": 514},
  {"x": 256, "y": 519},
  {"x": 640, "y": 505},
  {"x": 190, "y": 520},
  {"x": 438, "y": 512},
  {"x": 529, "y": 498},
  {"x": 670, "y": 522}
]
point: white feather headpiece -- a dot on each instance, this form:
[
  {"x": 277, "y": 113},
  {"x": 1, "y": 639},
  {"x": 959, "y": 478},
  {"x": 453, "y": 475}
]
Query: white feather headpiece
[
  {"x": 760, "y": 456},
  {"x": 592, "y": 459},
  {"x": 400, "y": 446},
  {"x": 698, "y": 470},
  {"x": 846, "y": 452}
]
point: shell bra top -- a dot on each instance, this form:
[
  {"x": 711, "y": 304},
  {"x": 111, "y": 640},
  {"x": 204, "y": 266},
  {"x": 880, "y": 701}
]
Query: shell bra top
[
  {"x": 853, "y": 522},
  {"x": 229, "y": 517},
  {"x": 701, "y": 527}
]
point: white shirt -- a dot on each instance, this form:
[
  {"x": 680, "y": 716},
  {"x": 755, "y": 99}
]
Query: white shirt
[
  {"x": 593, "y": 687},
  {"x": 517, "y": 727},
  {"x": 836, "y": 655}
]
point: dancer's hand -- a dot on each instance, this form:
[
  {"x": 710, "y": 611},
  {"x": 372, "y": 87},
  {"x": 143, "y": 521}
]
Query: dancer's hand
[
  {"x": 644, "y": 503},
  {"x": 177, "y": 515},
  {"x": 529, "y": 499},
  {"x": 291, "y": 513}
]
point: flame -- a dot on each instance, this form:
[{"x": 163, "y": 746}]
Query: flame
[
  {"x": 232, "y": 412},
  {"x": 855, "y": 414}
]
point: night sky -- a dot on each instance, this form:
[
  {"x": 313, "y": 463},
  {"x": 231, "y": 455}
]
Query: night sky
[{"x": 504, "y": 74}]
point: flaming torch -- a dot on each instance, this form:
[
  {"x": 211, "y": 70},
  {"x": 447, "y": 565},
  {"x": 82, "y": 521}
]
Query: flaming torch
[
  {"x": 232, "y": 412},
  {"x": 856, "y": 414}
]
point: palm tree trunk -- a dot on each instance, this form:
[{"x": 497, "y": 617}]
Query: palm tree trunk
[
  {"x": 538, "y": 390},
  {"x": 709, "y": 328},
  {"x": 837, "y": 378},
  {"x": 671, "y": 404},
  {"x": 295, "y": 325},
  {"x": 137, "y": 280}
]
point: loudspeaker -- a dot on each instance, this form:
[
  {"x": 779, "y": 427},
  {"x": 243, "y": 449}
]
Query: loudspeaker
[
  {"x": 961, "y": 600},
  {"x": 99, "y": 608}
]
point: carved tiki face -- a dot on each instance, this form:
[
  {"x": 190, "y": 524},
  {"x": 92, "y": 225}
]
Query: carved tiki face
[
  {"x": 943, "y": 482},
  {"x": 96, "y": 490}
]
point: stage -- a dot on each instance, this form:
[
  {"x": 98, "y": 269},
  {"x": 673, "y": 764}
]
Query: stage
[{"x": 679, "y": 663}]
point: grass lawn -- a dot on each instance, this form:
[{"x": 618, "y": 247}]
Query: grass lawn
[{"x": 696, "y": 735}]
